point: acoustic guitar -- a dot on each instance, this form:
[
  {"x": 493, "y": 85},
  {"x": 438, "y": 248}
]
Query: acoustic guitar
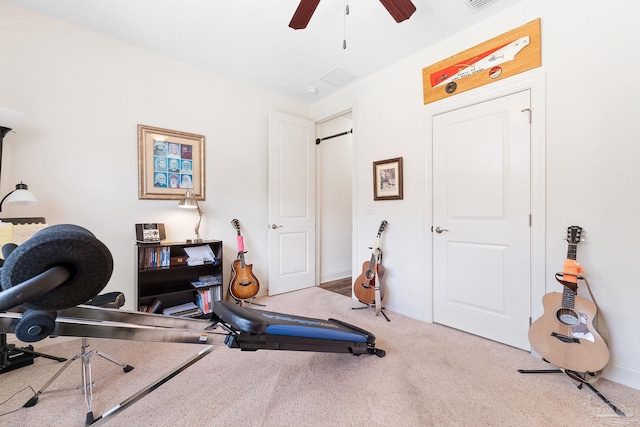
[
  {"x": 368, "y": 287},
  {"x": 564, "y": 335},
  {"x": 243, "y": 284}
]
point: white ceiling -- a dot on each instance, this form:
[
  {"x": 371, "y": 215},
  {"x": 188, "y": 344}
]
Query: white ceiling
[{"x": 250, "y": 40}]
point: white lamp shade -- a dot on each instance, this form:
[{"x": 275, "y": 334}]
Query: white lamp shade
[{"x": 21, "y": 197}]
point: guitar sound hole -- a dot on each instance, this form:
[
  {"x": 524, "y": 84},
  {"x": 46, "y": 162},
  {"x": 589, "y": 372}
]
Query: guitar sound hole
[{"x": 567, "y": 317}]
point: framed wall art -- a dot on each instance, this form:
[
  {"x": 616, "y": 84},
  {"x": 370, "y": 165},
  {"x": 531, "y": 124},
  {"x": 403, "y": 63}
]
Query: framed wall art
[
  {"x": 506, "y": 55},
  {"x": 387, "y": 179},
  {"x": 169, "y": 163}
]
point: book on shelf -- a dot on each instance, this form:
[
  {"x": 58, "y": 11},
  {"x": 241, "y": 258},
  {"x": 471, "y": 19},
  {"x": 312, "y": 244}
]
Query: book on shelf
[
  {"x": 155, "y": 257},
  {"x": 210, "y": 280},
  {"x": 200, "y": 284},
  {"x": 188, "y": 309},
  {"x": 155, "y": 305},
  {"x": 204, "y": 300},
  {"x": 198, "y": 255}
]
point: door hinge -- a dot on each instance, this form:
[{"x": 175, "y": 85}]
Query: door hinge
[
  {"x": 529, "y": 321},
  {"x": 530, "y": 220}
]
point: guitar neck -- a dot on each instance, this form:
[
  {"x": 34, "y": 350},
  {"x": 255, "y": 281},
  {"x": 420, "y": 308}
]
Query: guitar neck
[
  {"x": 568, "y": 295},
  {"x": 568, "y": 298}
]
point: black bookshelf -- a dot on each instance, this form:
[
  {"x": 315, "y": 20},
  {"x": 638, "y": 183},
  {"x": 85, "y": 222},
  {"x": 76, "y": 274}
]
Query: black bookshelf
[{"x": 164, "y": 276}]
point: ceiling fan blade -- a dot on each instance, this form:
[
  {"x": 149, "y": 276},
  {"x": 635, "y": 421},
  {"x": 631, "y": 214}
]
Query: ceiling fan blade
[
  {"x": 399, "y": 9},
  {"x": 303, "y": 14}
]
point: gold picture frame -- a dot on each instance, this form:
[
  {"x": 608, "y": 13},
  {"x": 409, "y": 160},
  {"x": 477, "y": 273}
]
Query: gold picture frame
[
  {"x": 169, "y": 163},
  {"x": 387, "y": 179}
]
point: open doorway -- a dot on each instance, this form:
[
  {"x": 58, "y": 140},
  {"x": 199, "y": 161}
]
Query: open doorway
[{"x": 334, "y": 178}]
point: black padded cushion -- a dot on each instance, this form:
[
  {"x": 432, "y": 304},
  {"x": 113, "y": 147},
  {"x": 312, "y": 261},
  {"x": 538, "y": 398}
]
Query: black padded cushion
[
  {"x": 68, "y": 245},
  {"x": 241, "y": 318},
  {"x": 257, "y": 322},
  {"x": 108, "y": 300}
]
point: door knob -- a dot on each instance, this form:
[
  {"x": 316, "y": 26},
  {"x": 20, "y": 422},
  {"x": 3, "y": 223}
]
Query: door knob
[
  {"x": 440, "y": 230},
  {"x": 274, "y": 226}
]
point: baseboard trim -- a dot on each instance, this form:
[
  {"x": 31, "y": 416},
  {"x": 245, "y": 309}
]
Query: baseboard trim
[
  {"x": 622, "y": 375},
  {"x": 336, "y": 275}
]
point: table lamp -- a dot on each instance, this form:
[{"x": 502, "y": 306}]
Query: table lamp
[
  {"x": 189, "y": 202},
  {"x": 21, "y": 195}
]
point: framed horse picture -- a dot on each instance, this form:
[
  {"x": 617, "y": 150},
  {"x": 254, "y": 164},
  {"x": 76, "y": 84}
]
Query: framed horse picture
[{"x": 387, "y": 179}]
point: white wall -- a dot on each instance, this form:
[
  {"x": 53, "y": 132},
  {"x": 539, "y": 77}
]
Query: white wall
[
  {"x": 592, "y": 178},
  {"x": 82, "y": 95}
]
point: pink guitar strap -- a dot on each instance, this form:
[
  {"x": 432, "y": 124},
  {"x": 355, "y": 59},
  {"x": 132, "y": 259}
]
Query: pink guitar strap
[{"x": 240, "y": 242}]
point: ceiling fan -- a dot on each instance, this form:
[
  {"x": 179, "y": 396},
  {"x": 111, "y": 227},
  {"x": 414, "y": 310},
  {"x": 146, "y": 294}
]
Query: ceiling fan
[{"x": 399, "y": 10}]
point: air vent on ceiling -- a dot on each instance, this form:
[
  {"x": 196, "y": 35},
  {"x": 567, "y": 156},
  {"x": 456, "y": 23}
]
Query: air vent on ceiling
[
  {"x": 477, "y": 4},
  {"x": 338, "y": 77}
]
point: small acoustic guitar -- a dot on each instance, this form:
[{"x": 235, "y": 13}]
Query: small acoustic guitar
[
  {"x": 564, "y": 335},
  {"x": 368, "y": 287},
  {"x": 243, "y": 284}
]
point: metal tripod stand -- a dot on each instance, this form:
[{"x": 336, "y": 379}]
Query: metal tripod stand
[
  {"x": 580, "y": 378},
  {"x": 87, "y": 381}
]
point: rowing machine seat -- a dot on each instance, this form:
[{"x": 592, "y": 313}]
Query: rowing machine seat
[{"x": 253, "y": 329}]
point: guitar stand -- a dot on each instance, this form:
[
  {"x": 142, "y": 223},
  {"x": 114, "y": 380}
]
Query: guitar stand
[
  {"x": 242, "y": 301},
  {"x": 580, "y": 378},
  {"x": 371, "y": 306}
]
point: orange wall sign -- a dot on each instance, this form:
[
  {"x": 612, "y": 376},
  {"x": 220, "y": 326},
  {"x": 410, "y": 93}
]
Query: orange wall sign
[{"x": 508, "y": 54}]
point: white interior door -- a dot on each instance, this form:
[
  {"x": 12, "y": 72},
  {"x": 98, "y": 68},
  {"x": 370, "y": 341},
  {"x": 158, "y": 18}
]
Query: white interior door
[
  {"x": 482, "y": 207},
  {"x": 292, "y": 239}
]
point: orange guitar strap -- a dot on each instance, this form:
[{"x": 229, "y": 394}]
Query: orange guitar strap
[{"x": 570, "y": 274}]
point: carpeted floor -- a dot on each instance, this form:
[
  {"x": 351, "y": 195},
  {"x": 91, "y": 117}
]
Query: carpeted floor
[{"x": 431, "y": 376}]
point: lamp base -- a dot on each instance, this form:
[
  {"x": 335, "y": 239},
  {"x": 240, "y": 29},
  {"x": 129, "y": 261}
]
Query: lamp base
[{"x": 194, "y": 240}]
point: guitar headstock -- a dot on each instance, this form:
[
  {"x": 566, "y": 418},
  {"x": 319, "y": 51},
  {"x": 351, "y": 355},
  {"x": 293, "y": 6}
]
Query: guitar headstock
[
  {"x": 383, "y": 225},
  {"x": 574, "y": 234},
  {"x": 236, "y": 224}
]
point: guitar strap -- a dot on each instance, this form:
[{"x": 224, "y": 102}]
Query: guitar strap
[
  {"x": 572, "y": 269},
  {"x": 240, "y": 245},
  {"x": 376, "y": 288}
]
